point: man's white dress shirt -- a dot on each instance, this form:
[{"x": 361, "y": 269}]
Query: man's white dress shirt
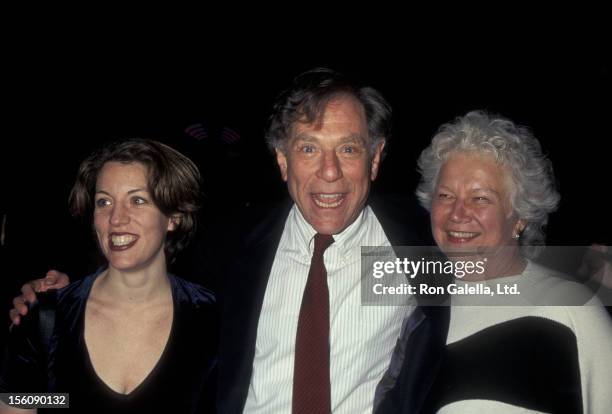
[{"x": 362, "y": 338}]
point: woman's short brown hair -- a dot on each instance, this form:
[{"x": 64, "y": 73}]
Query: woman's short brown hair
[{"x": 173, "y": 181}]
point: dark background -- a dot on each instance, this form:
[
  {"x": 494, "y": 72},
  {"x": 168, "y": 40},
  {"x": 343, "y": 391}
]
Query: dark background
[{"x": 62, "y": 102}]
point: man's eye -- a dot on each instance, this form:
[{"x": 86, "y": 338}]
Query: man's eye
[
  {"x": 307, "y": 149},
  {"x": 349, "y": 150},
  {"x": 102, "y": 202},
  {"x": 444, "y": 196}
]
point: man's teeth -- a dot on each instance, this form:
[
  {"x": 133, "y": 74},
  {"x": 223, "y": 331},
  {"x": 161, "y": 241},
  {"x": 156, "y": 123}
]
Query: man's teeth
[
  {"x": 122, "y": 240},
  {"x": 328, "y": 200},
  {"x": 462, "y": 234}
]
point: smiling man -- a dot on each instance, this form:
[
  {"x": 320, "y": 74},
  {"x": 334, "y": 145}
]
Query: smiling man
[
  {"x": 328, "y": 165},
  {"x": 295, "y": 335}
]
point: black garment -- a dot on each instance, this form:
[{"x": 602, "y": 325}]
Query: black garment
[
  {"x": 182, "y": 381},
  {"x": 415, "y": 363},
  {"x": 529, "y": 362}
]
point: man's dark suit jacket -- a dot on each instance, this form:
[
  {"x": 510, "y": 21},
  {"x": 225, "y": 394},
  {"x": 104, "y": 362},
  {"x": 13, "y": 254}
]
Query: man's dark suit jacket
[{"x": 243, "y": 266}]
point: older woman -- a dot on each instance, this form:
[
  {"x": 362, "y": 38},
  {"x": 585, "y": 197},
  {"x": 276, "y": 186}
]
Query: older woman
[
  {"x": 131, "y": 337},
  {"x": 489, "y": 190}
]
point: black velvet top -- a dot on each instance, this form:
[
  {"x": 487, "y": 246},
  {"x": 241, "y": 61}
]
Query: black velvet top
[{"x": 182, "y": 381}]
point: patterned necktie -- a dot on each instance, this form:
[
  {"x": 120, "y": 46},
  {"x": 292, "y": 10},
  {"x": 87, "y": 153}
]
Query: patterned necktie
[{"x": 311, "y": 384}]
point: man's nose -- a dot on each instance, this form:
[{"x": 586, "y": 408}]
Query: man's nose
[
  {"x": 460, "y": 213},
  {"x": 330, "y": 168},
  {"x": 119, "y": 215}
]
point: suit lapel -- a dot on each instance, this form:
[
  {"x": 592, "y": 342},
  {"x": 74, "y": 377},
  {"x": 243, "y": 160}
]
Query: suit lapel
[
  {"x": 243, "y": 300},
  {"x": 417, "y": 360},
  {"x": 422, "y": 345}
]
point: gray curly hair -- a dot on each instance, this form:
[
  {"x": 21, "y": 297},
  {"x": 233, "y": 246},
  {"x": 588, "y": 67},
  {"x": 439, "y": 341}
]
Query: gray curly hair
[{"x": 533, "y": 193}]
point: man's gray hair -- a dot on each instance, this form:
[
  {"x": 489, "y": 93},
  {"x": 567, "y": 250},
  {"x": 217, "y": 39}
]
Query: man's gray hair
[
  {"x": 306, "y": 101},
  {"x": 533, "y": 192}
]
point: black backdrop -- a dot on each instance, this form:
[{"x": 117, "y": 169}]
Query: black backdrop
[{"x": 60, "y": 104}]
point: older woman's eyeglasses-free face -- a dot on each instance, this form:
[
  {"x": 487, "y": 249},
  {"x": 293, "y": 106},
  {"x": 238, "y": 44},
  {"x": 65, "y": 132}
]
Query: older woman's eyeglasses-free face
[{"x": 471, "y": 206}]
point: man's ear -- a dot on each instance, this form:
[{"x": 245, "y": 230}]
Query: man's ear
[
  {"x": 281, "y": 159},
  {"x": 376, "y": 158},
  {"x": 174, "y": 222}
]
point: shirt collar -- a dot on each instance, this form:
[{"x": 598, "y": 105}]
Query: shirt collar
[{"x": 344, "y": 241}]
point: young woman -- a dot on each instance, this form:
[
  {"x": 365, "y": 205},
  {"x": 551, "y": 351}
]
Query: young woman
[{"x": 131, "y": 337}]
